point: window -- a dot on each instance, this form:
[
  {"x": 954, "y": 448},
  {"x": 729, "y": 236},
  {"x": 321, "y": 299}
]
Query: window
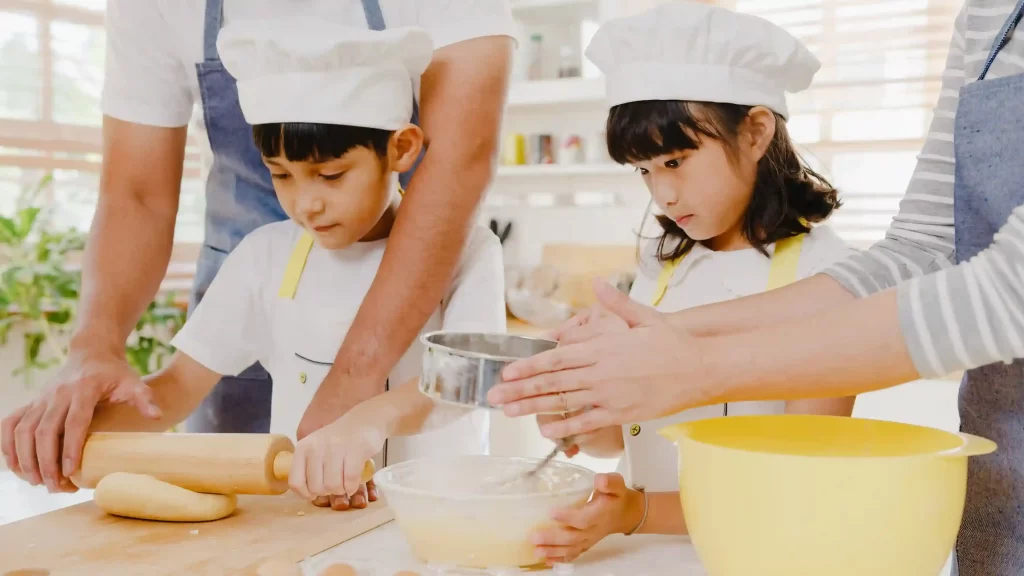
[
  {"x": 866, "y": 116},
  {"x": 51, "y": 77}
]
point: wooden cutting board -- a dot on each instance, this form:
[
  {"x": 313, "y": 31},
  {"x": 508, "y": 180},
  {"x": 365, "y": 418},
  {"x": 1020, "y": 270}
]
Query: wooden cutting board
[{"x": 84, "y": 540}]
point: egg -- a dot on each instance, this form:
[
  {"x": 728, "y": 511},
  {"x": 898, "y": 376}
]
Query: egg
[{"x": 339, "y": 570}]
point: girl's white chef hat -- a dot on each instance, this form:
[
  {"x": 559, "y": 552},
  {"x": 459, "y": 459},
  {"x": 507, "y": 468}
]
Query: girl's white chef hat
[
  {"x": 696, "y": 52},
  {"x": 318, "y": 71}
]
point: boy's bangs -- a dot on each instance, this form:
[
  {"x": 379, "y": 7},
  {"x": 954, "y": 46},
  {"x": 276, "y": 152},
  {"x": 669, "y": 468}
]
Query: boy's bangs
[
  {"x": 639, "y": 131},
  {"x": 307, "y": 142}
]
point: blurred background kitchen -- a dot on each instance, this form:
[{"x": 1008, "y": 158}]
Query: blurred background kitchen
[{"x": 564, "y": 211}]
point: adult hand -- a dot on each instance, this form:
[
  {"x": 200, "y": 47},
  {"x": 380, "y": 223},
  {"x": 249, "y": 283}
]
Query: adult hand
[
  {"x": 651, "y": 370},
  {"x": 43, "y": 441}
]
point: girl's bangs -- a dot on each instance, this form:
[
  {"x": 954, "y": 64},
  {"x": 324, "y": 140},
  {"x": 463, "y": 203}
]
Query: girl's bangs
[{"x": 639, "y": 131}]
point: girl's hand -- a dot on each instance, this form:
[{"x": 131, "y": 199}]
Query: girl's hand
[
  {"x": 588, "y": 325},
  {"x": 543, "y": 419},
  {"x": 328, "y": 464},
  {"x": 613, "y": 509}
]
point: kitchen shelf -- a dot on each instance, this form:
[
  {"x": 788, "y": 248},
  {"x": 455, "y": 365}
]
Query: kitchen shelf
[
  {"x": 557, "y": 91},
  {"x": 564, "y": 170}
]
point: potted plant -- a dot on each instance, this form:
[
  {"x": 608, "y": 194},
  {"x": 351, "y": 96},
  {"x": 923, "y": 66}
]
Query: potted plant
[{"x": 39, "y": 289}]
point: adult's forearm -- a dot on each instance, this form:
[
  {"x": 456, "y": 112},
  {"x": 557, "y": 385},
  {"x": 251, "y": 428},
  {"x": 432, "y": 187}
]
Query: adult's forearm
[
  {"x": 849, "y": 350},
  {"x": 425, "y": 245},
  {"x": 125, "y": 260},
  {"x": 132, "y": 231},
  {"x": 794, "y": 302}
]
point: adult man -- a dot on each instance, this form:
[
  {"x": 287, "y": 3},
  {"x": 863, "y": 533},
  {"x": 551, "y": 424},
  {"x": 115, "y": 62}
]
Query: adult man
[{"x": 162, "y": 59}]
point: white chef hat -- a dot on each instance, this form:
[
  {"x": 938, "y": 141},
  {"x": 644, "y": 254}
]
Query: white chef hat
[
  {"x": 697, "y": 52},
  {"x": 319, "y": 71}
]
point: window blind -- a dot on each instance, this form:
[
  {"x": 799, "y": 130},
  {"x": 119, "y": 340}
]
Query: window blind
[
  {"x": 866, "y": 116},
  {"x": 51, "y": 77}
]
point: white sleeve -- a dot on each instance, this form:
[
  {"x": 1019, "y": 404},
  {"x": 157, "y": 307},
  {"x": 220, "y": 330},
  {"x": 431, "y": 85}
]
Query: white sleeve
[
  {"x": 452, "y": 21},
  {"x": 144, "y": 82},
  {"x": 226, "y": 331},
  {"x": 476, "y": 301}
]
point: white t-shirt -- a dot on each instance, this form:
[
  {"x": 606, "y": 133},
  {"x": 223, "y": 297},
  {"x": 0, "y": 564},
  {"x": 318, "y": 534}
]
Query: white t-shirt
[
  {"x": 153, "y": 46},
  {"x": 707, "y": 277},
  {"x": 242, "y": 319}
]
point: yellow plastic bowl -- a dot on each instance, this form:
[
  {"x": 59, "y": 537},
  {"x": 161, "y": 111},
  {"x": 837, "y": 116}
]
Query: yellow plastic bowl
[{"x": 792, "y": 495}]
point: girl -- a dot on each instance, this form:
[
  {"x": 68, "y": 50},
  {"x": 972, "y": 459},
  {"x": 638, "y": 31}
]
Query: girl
[{"x": 697, "y": 97}]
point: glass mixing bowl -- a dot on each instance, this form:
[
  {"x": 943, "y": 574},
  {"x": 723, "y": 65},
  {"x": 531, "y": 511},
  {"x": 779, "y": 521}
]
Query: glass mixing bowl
[{"x": 478, "y": 511}]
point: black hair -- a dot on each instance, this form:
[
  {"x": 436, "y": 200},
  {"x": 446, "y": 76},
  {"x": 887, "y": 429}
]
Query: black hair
[
  {"x": 307, "y": 142},
  {"x": 787, "y": 196}
]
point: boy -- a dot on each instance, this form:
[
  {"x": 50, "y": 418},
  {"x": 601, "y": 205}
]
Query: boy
[{"x": 330, "y": 108}]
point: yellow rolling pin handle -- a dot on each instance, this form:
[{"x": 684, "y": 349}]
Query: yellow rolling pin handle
[
  {"x": 283, "y": 463},
  {"x": 972, "y": 446}
]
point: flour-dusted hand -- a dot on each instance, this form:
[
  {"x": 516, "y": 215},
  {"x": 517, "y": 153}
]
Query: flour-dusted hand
[
  {"x": 612, "y": 509},
  {"x": 43, "y": 441},
  {"x": 328, "y": 464},
  {"x": 646, "y": 372}
]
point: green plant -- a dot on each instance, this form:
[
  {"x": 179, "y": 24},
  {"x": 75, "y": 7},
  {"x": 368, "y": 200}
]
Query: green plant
[{"x": 39, "y": 291}]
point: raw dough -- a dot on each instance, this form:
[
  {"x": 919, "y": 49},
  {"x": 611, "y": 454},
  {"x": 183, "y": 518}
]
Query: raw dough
[
  {"x": 339, "y": 570},
  {"x": 278, "y": 568},
  {"x": 144, "y": 497}
]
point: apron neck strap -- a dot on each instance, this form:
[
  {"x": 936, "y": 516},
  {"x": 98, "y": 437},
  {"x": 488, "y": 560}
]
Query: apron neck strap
[
  {"x": 296, "y": 264},
  {"x": 1003, "y": 38},
  {"x": 374, "y": 15},
  {"x": 211, "y": 27},
  {"x": 782, "y": 272}
]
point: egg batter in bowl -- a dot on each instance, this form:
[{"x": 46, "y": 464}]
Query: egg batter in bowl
[{"x": 465, "y": 511}]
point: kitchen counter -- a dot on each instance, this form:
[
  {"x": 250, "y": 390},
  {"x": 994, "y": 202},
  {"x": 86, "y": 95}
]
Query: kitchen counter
[{"x": 383, "y": 551}]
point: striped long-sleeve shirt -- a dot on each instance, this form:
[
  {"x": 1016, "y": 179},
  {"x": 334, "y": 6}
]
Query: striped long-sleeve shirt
[{"x": 962, "y": 316}]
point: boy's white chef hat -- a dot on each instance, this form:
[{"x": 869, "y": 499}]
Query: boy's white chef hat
[
  {"x": 696, "y": 52},
  {"x": 318, "y": 71}
]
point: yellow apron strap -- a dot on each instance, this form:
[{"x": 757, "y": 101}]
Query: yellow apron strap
[
  {"x": 666, "y": 274},
  {"x": 781, "y": 273},
  {"x": 784, "y": 261},
  {"x": 296, "y": 263}
]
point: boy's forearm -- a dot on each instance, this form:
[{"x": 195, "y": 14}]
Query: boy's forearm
[
  {"x": 405, "y": 411},
  {"x": 804, "y": 298},
  {"x": 177, "y": 390}
]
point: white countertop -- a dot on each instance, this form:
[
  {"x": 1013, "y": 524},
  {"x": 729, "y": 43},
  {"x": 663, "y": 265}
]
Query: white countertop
[{"x": 383, "y": 551}]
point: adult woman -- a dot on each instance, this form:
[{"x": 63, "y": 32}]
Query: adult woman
[{"x": 917, "y": 314}]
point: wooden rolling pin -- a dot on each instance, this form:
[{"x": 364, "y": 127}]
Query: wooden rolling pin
[{"x": 207, "y": 463}]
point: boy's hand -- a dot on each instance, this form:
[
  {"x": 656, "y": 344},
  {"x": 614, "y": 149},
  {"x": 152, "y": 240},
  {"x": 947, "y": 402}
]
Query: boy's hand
[
  {"x": 328, "y": 464},
  {"x": 613, "y": 509}
]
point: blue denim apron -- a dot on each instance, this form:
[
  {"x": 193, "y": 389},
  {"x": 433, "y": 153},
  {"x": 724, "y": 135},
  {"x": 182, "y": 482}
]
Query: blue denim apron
[
  {"x": 989, "y": 145},
  {"x": 239, "y": 198}
]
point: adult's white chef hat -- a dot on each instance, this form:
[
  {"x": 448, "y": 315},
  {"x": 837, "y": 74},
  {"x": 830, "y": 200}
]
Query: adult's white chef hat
[
  {"x": 319, "y": 71},
  {"x": 697, "y": 52}
]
